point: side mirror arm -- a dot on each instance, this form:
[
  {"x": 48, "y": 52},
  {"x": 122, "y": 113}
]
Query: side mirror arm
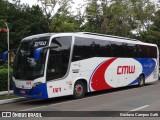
[{"x": 37, "y": 52}]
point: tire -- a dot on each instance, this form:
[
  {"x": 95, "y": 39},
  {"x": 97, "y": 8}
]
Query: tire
[
  {"x": 79, "y": 90},
  {"x": 141, "y": 81}
]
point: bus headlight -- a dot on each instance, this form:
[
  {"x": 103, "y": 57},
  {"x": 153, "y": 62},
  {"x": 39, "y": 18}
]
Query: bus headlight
[{"x": 36, "y": 84}]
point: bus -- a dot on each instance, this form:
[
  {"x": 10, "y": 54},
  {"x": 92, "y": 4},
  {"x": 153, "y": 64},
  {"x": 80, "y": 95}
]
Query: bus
[{"x": 60, "y": 64}]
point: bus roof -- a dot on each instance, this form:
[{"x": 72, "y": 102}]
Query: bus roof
[
  {"x": 89, "y": 34},
  {"x": 104, "y": 35},
  {"x": 37, "y": 36}
]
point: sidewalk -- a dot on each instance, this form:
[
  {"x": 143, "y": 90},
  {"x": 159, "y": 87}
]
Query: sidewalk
[
  {"x": 4, "y": 95},
  {"x": 5, "y": 98},
  {"x": 6, "y": 92}
]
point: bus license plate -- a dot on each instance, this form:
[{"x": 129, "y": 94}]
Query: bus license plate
[{"x": 22, "y": 91}]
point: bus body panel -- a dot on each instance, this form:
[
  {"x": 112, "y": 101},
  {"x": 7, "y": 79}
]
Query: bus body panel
[
  {"x": 58, "y": 88},
  {"x": 101, "y": 73},
  {"x": 118, "y": 73},
  {"x": 115, "y": 72},
  {"x": 30, "y": 89}
]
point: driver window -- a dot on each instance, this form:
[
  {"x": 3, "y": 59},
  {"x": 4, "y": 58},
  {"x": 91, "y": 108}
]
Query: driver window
[{"x": 58, "y": 58}]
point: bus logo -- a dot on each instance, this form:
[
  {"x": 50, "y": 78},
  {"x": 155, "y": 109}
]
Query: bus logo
[
  {"x": 125, "y": 70},
  {"x": 40, "y": 43}
]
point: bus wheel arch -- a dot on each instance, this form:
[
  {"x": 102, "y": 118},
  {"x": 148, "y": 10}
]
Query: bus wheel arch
[
  {"x": 80, "y": 88},
  {"x": 141, "y": 80}
]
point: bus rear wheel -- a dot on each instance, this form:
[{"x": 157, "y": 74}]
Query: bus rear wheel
[
  {"x": 141, "y": 81},
  {"x": 79, "y": 90}
]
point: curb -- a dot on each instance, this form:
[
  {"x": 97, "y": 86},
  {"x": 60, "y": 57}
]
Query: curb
[
  {"x": 12, "y": 100},
  {"x": 6, "y": 92}
]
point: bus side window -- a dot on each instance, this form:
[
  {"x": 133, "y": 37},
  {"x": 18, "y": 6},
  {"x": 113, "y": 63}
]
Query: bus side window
[
  {"x": 138, "y": 51},
  {"x": 152, "y": 52},
  {"x": 118, "y": 49},
  {"x": 102, "y": 48},
  {"x": 130, "y": 50},
  {"x": 83, "y": 49},
  {"x": 143, "y": 51},
  {"x": 58, "y": 60}
]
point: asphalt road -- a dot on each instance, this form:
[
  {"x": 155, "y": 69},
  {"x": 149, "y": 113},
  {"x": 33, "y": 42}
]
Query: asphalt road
[{"x": 129, "y": 99}]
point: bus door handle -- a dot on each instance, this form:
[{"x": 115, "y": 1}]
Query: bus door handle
[{"x": 75, "y": 70}]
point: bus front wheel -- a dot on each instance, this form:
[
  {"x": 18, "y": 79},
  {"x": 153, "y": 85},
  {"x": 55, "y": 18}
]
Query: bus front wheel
[
  {"x": 141, "y": 81},
  {"x": 79, "y": 90}
]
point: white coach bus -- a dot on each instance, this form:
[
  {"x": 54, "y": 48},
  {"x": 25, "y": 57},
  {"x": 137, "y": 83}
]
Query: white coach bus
[{"x": 59, "y": 64}]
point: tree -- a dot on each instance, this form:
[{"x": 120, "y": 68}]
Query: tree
[
  {"x": 23, "y": 21},
  {"x": 93, "y": 17},
  {"x": 152, "y": 35},
  {"x": 119, "y": 17},
  {"x": 115, "y": 18},
  {"x": 63, "y": 20},
  {"x": 64, "y": 23},
  {"x": 49, "y": 7}
]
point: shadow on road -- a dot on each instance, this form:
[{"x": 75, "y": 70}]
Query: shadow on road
[{"x": 38, "y": 102}]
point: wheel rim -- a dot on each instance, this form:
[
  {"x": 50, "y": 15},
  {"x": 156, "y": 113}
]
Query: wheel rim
[
  {"x": 141, "y": 81},
  {"x": 78, "y": 90}
]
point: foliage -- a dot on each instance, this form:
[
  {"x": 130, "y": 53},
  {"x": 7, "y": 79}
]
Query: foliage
[
  {"x": 23, "y": 21},
  {"x": 152, "y": 35},
  {"x": 62, "y": 20},
  {"x": 129, "y": 18},
  {"x": 4, "y": 77},
  {"x": 119, "y": 17},
  {"x": 114, "y": 17}
]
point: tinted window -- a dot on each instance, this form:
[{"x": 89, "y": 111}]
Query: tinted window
[
  {"x": 118, "y": 49},
  {"x": 102, "y": 48},
  {"x": 86, "y": 48},
  {"x": 153, "y": 52},
  {"x": 83, "y": 49},
  {"x": 131, "y": 50},
  {"x": 25, "y": 66},
  {"x": 144, "y": 51},
  {"x": 59, "y": 58}
]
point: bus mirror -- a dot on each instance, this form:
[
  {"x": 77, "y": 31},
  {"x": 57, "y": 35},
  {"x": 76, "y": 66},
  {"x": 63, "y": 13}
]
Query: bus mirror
[
  {"x": 37, "y": 53},
  {"x": 4, "y": 56}
]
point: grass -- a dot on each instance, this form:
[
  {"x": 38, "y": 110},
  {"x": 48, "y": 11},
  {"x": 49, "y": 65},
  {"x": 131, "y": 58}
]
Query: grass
[{"x": 3, "y": 97}]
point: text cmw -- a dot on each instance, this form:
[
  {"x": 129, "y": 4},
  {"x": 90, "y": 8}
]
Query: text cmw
[{"x": 125, "y": 70}]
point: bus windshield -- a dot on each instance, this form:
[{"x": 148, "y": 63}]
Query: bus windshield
[{"x": 25, "y": 67}]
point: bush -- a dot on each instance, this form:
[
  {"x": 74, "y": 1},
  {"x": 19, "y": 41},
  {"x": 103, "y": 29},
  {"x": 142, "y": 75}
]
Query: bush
[{"x": 4, "y": 77}]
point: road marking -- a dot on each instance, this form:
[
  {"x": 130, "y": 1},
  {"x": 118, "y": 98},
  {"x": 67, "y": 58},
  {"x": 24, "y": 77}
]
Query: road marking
[{"x": 140, "y": 108}]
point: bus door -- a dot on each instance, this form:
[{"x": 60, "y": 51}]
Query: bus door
[{"x": 54, "y": 69}]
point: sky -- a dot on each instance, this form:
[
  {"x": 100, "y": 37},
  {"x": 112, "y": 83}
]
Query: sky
[
  {"x": 33, "y": 2},
  {"x": 30, "y": 2},
  {"x": 74, "y": 6}
]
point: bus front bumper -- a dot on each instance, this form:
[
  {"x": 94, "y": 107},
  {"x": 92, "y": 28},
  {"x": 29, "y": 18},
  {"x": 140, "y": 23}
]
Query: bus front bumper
[{"x": 39, "y": 91}]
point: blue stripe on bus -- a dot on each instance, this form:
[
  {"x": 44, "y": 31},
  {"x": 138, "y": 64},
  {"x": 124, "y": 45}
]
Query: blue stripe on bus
[
  {"x": 134, "y": 82},
  {"x": 148, "y": 66},
  {"x": 39, "y": 91}
]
